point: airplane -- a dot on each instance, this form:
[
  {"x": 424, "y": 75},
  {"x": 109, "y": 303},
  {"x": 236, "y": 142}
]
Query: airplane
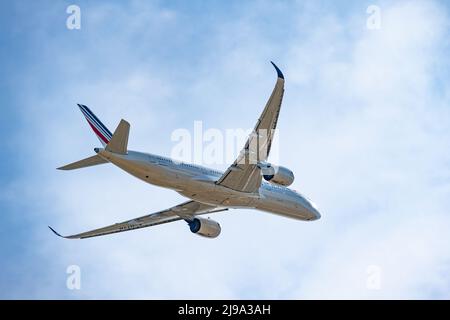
[{"x": 250, "y": 182}]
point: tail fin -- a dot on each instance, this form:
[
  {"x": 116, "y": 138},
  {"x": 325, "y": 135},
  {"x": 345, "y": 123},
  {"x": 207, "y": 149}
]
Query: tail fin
[
  {"x": 101, "y": 131},
  {"x": 88, "y": 162},
  {"x": 119, "y": 140}
]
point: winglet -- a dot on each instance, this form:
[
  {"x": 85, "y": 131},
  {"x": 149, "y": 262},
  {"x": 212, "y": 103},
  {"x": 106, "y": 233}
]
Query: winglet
[
  {"x": 279, "y": 73},
  {"x": 55, "y": 232}
]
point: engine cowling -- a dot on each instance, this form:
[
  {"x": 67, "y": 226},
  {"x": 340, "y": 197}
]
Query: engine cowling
[
  {"x": 205, "y": 227},
  {"x": 277, "y": 175}
]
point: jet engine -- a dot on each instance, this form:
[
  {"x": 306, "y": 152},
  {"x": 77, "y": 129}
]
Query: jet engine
[
  {"x": 204, "y": 227},
  {"x": 277, "y": 174}
]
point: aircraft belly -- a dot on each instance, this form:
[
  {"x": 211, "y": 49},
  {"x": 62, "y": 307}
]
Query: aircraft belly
[
  {"x": 203, "y": 190},
  {"x": 212, "y": 194},
  {"x": 153, "y": 174},
  {"x": 283, "y": 207}
]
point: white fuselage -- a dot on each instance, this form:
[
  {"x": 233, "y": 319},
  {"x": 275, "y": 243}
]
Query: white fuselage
[{"x": 198, "y": 183}]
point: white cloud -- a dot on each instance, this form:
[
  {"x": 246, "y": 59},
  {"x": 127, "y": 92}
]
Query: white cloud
[{"x": 377, "y": 157}]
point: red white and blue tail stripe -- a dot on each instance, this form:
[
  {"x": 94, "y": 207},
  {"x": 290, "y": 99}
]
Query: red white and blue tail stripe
[{"x": 101, "y": 131}]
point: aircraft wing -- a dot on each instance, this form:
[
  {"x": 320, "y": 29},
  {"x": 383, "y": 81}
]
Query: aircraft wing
[
  {"x": 186, "y": 210},
  {"x": 244, "y": 174}
]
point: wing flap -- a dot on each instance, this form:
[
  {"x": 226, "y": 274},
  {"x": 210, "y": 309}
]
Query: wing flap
[{"x": 119, "y": 140}]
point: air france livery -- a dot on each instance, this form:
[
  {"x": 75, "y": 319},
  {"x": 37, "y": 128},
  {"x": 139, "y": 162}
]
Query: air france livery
[{"x": 250, "y": 182}]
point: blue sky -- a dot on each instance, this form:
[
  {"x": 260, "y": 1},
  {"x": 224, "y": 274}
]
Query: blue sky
[{"x": 364, "y": 125}]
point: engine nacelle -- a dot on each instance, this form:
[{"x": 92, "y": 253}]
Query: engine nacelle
[
  {"x": 277, "y": 174},
  {"x": 205, "y": 227}
]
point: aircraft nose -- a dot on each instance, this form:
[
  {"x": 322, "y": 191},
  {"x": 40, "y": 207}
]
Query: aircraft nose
[
  {"x": 313, "y": 211},
  {"x": 315, "y": 214}
]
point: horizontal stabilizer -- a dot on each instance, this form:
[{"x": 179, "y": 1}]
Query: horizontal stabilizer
[
  {"x": 119, "y": 140},
  {"x": 88, "y": 162}
]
